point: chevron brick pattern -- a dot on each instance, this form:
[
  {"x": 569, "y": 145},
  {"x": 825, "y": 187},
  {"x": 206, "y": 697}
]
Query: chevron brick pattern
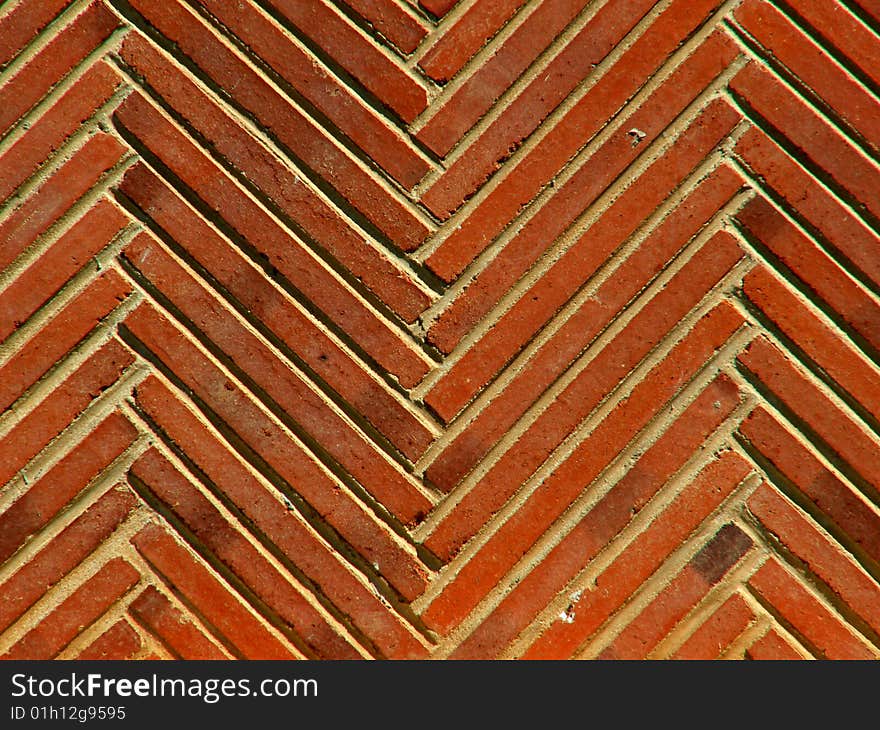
[{"x": 471, "y": 329}]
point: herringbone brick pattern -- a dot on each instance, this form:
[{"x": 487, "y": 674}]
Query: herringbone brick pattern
[{"x": 476, "y": 329}]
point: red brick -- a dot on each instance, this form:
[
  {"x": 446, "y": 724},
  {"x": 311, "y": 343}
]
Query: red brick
[
  {"x": 614, "y": 586},
  {"x": 832, "y": 424},
  {"x": 118, "y": 642},
  {"x": 60, "y": 335},
  {"x": 605, "y": 520},
  {"x": 42, "y": 209},
  {"x": 391, "y": 84},
  {"x": 536, "y": 375},
  {"x": 813, "y": 68},
  {"x": 210, "y": 597},
  {"x": 556, "y": 493},
  {"x": 838, "y": 27},
  {"x": 466, "y": 36},
  {"x": 438, "y": 8},
  {"x": 238, "y": 554},
  {"x": 61, "y": 120},
  {"x": 478, "y": 366},
  {"x": 400, "y": 27},
  {"x": 72, "y": 545},
  {"x": 288, "y": 388},
  {"x": 830, "y": 494},
  {"x": 569, "y": 408},
  {"x": 282, "y": 452},
  {"x": 305, "y": 273},
  {"x": 163, "y": 619},
  {"x": 578, "y": 125},
  {"x": 820, "y": 342},
  {"x": 809, "y": 134},
  {"x": 64, "y": 404},
  {"x": 82, "y": 608},
  {"x": 580, "y": 191},
  {"x": 772, "y": 647},
  {"x": 718, "y": 631},
  {"x": 870, "y": 7},
  {"x": 344, "y": 109},
  {"x": 305, "y": 139},
  {"x": 814, "y": 267},
  {"x": 52, "y": 63},
  {"x": 64, "y": 258},
  {"x": 318, "y": 561},
  {"x": 677, "y": 598},
  {"x": 477, "y": 95},
  {"x": 809, "y": 618},
  {"x": 858, "y": 243},
  {"x": 43, "y": 500},
  {"x": 298, "y": 331},
  {"x": 561, "y": 281},
  {"x": 598, "y": 379},
  {"x": 21, "y": 24},
  {"x": 822, "y": 556}
]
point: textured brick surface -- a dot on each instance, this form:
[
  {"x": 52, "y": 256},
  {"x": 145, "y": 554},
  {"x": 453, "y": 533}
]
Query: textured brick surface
[{"x": 444, "y": 329}]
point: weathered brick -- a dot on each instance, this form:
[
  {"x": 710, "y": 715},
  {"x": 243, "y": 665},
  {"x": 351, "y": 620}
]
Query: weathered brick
[
  {"x": 839, "y": 430},
  {"x": 64, "y": 404},
  {"x": 718, "y": 631},
  {"x": 825, "y": 631},
  {"x": 815, "y": 138},
  {"x": 377, "y": 138},
  {"x": 614, "y": 586},
  {"x": 605, "y": 520},
  {"x": 603, "y": 374},
  {"x": 61, "y": 120},
  {"x": 445, "y": 335},
  {"x": 392, "y": 20},
  {"x": 283, "y": 453},
  {"x": 821, "y": 555},
  {"x": 210, "y": 597},
  {"x": 857, "y": 242},
  {"x": 318, "y": 561},
  {"x": 226, "y": 541},
  {"x": 581, "y": 328},
  {"x": 294, "y": 130},
  {"x": 54, "y": 490},
  {"x": 567, "y": 481},
  {"x": 173, "y": 627},
  {"x": 466, "y": 36},
  {"x": 118, "y": 642},
  {"x": 572, "y": 132},
  {"x": 60, "y": 335},
  {"x": 24, "y": 22},
  {"x": 820, "y": 342},
  {"x": 78, "y": 540},
  {"x": 543, "y": 299},
  {"x": 55, "y": 196},
  {"x": 347, "y": 375},
  {"x": 562, "y": 209},
  {"x": 285, "y": 386},
  {"x": 390, "y": 83},
  {"x": 684, "y": 591},
  {"x": 813, "y": 266},
  {"x": 78, "y": 611},
  {"x": 813, "y": 67},
  {"x": 828, "y": 492},
  {"x": 272, "y": 242},
  {"x": 53, "y": 62},
  {"x": 45, "y": 277},
  {"x": 772, "y": 647}
]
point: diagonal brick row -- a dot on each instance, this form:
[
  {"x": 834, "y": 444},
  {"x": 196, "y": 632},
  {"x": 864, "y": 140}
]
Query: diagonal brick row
[{"x": 392, "y": 329}]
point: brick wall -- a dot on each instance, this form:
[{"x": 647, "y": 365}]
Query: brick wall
[{"x": 478, "y": 329}]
